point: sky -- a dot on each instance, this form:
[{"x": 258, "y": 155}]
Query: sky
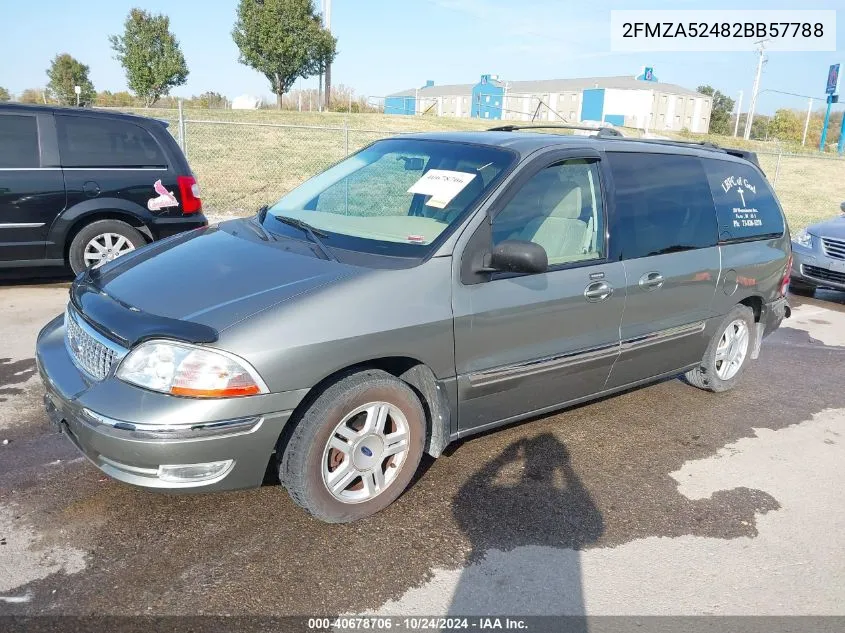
[{"x": 387, "y": 46}]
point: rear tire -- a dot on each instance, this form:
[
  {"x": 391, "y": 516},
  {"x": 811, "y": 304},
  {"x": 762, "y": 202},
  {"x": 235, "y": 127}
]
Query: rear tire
[
  {"x": 727, "y": 354},
  {"x": 95, "y": 238},
  {"x": 355, "y": 449}
]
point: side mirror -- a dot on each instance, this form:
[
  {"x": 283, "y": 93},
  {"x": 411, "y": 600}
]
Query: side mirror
[
  {"x": 517, "y": 256},
  {"x": 842, "y": 207}
]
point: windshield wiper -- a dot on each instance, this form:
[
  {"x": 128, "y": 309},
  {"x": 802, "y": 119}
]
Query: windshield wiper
[{"x": 310, "y": 231}]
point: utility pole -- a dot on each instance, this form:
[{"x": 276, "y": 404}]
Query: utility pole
[
  {"x": 320, "y": 93},
  {"x": 807, "y": 122},
  {"x": 738, "y": 112},
  {"x": 327, "y": 23},
  {"x": 761, "y": 59}
]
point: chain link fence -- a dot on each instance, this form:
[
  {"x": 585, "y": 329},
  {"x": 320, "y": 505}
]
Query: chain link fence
[
  {"x": 242, "y": 165},
  {"x": 810, "y": 187}
]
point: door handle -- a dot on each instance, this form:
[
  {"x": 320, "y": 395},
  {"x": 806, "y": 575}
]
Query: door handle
[
  {"x": 598, "y": 291},
  {"x": 651, "y": 281}
]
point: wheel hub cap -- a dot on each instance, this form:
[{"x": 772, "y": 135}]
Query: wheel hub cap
[
  {"x": 732, "y": 349},
  {"x": 104, "y": 248},
  {"x": 365, "y": 452}
]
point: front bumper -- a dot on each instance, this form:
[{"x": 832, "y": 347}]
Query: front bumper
[
  {"x": 813, "y": 267},
  {"x": 131, "y": 433}
]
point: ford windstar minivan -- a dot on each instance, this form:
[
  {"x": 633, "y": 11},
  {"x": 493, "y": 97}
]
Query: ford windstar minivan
[{"x": 424, "y": 289}]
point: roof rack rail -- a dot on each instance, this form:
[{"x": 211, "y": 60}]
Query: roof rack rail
[
  {"x": 614, "y": 134},
  {"x": 600, "y": 130},
  {"x": 748, "y": 155}
]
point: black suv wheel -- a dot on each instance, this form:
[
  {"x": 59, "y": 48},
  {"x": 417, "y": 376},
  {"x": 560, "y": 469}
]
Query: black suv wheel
[{"x": 101, "y": 242}]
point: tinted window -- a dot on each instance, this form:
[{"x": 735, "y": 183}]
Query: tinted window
[
  {"x": 745, "y": 205},
  {"x": 663, "y": 204},
  {"x": 18, "y": 141},
  {"x": 560, "y": 209},
  {"x": 103, "y": 142}
]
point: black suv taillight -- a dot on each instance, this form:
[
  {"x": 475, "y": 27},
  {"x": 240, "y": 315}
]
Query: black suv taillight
[{"x": 190, "y": 191}]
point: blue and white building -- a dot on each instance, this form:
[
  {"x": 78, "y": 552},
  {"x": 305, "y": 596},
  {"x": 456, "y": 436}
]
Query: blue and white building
[{"x": 640, "y": 102}]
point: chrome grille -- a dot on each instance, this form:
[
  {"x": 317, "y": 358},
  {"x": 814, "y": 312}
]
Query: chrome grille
[
  {"x": 823, "y": 274},
  {"x": 833, "y": 248},
  {"x": 90, "y": 351}
]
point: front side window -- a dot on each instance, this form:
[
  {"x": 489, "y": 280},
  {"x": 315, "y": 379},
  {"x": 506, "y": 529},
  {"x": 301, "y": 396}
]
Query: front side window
[
  {"x": 746, "y": 208},
  {"x": 663, "y": 204},
  {"x": 396, "y": 196},
  {"x": 103, "y": 142},
  {"x": 18, "y": 142},
  {"x": 559, "y": 208}
]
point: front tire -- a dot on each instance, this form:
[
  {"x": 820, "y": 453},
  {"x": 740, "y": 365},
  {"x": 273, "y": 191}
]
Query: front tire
[
  {"x": 728, "y": 353},
  {"x": 101, "y": 242},
  {"x": 354, "y": 450}
]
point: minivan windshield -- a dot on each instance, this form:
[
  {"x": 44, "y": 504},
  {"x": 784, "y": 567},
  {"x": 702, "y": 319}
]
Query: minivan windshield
[{"x": 394, "y": 197}]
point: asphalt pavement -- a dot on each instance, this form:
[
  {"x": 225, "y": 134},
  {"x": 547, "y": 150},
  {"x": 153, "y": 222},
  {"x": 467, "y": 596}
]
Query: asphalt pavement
[{"x": 663, "y": 500}]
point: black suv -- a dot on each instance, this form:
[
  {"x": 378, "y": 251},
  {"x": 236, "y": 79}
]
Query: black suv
[{"x": 81, "y": 187}]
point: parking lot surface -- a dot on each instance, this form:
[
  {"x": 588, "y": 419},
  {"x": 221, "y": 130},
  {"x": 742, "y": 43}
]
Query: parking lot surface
[{"x": 663, "y": 500}]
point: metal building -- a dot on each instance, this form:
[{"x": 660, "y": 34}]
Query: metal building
[{"x": 639, "y": 102}]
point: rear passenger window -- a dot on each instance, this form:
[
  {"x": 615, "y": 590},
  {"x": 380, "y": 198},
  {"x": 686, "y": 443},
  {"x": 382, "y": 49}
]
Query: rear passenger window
[
  {"x": 663, "y": 204},
  {"x": 103, "y": 142},
  {"x": 746, "y": 208},
  {"x": 18, "y": 142}
]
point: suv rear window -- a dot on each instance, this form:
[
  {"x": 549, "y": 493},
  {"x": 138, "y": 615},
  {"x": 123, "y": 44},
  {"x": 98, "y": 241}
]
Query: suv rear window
[
  {"x": 104, "y": 142},
  {"x": 18, "y": 142},
  {"x": 663, "y": 204},
  {"x": 746, "y": 208}
]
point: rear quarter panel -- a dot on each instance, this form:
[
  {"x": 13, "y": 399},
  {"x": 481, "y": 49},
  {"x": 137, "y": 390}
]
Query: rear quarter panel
[{"x": 753, "y": 268}]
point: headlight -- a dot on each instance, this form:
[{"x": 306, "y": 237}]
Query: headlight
[
  {"x": 804, "y": 239},
  {"x": 187, "y": 370}
]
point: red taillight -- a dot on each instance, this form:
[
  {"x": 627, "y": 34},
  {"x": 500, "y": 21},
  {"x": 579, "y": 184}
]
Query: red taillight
[
  {"x": 787, "y": 274},
  {"x": 190, "y": 191}
]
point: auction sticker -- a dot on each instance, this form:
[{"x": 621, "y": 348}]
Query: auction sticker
[{"x": 442, "y": 185}]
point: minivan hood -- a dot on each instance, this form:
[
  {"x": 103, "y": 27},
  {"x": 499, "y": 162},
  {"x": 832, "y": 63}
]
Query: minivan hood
[
  {"x": 834, "y": 228},
  {"x": 215, "y": 276}
]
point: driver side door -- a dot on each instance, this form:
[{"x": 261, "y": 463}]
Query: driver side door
[{"x": 527, "y": 343}]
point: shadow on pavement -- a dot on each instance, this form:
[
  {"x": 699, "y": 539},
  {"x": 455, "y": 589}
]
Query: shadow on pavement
[
  {"x": 528, "y": 495},
  {"x": 13, "y": 277}
]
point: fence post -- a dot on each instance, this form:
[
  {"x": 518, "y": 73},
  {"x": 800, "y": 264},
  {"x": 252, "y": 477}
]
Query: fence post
[
  {"x": 181, "y": 128},
  {"x": 777, "y": 169},
  {"x": 346, "y": 137}
]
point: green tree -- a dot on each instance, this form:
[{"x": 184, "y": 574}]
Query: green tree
[
  {"x": 786, "y": 125},
  {"x": 151, "y": 56},
  {"x": 32, "y": 95},
  {"x": 720, "y": 114},
  {"x": 4, "y": 94},
  {"x": 283, "y": 40},
  {"x": 64, "y": 74},
  {"x": 209, "y": 100}
]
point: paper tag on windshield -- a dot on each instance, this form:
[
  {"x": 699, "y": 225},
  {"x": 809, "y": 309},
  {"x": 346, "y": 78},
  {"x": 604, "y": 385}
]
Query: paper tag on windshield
[{"x": 442, "y": 185}]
